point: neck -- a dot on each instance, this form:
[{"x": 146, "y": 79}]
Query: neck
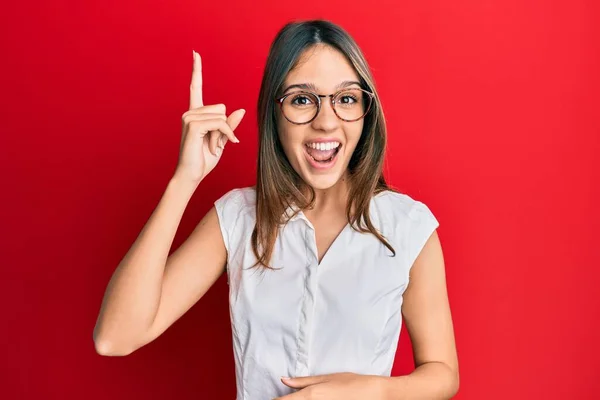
[{"x": 333, "y": 199}]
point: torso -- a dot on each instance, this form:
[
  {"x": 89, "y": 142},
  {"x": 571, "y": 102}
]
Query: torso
[
  {"x": 327, "y": 229},
  {"x": 333, "y": 300}
]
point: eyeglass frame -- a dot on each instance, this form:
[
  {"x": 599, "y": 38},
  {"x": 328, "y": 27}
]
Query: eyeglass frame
[{"x": 281, "y": 99}]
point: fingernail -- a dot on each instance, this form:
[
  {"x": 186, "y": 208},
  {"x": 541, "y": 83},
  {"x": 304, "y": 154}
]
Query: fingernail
[
  {"x": 287, "y": 378},
  {"x": 218, "y": 152}
]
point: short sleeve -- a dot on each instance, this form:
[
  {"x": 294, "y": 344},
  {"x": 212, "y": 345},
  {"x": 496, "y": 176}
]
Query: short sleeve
[
  {"x": 227, "y": 213},
  {"x": 422, "y": 223},
  {"x": 221, "y": 208},
  {"x": 228, "y": 210},
  {"x": 232, "y": 211}
]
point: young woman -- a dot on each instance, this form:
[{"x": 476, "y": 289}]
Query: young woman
[{"x": 319, "y": 254}]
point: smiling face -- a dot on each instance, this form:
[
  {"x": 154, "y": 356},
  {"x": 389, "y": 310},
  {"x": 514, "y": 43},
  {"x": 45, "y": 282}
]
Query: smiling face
[{"x": 320, "y": 150}]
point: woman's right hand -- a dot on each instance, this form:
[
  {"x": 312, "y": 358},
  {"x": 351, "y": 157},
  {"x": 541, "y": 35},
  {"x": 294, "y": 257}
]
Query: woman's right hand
[{"x": 205, "y": 130}]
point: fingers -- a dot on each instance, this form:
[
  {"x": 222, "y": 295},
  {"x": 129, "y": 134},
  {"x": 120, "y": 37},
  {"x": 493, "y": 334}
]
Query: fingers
[
  {"x": 215, "y": 108},
  {"x": 196, "y": 84},
  {"x": 217, "y": 139},
  {"x": 235, "y": 118},
  {"x": 216, "y": 142},
  {"x": 212, "y": 110},
  {"x": 201, "y": 117},
  {"x": 202, "y": 127}
]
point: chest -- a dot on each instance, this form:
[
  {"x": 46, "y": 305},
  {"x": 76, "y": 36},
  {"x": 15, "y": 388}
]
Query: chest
[
  {"x": 331, "y": 263},
  {"x": 342, "y": 305},
  {"x": 326, "y": 232}
]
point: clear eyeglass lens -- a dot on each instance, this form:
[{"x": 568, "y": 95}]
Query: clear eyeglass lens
[{"x": 349, "y": 104}]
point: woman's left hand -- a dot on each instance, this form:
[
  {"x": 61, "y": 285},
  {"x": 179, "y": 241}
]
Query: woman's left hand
[{"x": 339, "y": 386}]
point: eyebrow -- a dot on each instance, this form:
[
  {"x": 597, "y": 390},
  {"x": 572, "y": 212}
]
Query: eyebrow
[{"x": 311, "y": 86}]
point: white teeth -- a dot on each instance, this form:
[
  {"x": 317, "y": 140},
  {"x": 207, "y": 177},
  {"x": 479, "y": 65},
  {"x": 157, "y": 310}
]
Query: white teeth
[{"x": 324, "y": 146}]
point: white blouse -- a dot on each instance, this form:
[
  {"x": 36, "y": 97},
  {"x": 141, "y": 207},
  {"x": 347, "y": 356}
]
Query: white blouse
[{"x": 311, "y": 318}]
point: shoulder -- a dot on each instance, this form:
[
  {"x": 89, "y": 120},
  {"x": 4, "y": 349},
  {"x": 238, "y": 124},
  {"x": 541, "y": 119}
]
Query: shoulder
[
  {"x": 390, "y": 201},
  {"x": 235, "y": 205},
  {"x": 237, "y": 199},
  {"x": 401, "y": 206},
  {"x": 236, "y": 213},
  {"x": 410, "y": 220}
]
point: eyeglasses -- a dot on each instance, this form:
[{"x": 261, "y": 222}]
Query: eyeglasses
[{"x": 348, "y": 105}]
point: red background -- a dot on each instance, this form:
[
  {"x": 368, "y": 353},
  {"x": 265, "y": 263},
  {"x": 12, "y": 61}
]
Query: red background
[{"x": 492, "y": 109}]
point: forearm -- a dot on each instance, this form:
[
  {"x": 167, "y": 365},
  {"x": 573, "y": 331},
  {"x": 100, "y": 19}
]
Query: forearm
[
  {"x": 133, "y": 293},
  {"x": 430, "y": 381}
]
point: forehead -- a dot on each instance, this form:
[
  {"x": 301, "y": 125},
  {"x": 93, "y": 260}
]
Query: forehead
[{"x": 324, "y": 66}]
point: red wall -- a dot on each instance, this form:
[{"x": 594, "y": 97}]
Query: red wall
[{"x": 492, "y": 109}]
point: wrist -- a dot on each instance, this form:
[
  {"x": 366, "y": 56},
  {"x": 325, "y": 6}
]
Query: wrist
[
  {"x": 394, "y": 387},
  {"x": 182, "y": 184}
]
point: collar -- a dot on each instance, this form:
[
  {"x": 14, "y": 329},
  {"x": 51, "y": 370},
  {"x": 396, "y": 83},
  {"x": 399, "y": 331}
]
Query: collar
[{"x": 289, "y": 213}]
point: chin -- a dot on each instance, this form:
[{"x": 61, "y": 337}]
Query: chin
[{"x": 321, "y": 182}]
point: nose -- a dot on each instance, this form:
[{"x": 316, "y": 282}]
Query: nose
[{"x": 326, "y": 120}]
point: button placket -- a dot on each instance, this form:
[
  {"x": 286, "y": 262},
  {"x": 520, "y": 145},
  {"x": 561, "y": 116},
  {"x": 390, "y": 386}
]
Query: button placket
[{"x": 308, "y": 304}]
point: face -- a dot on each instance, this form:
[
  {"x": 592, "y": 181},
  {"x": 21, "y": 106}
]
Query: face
[{"x": 320, "y": 151}]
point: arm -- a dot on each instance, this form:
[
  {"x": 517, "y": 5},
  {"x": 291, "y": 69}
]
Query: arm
[
  {"x": 427, "y": 315},
  {"x": 150, "y": 290}
]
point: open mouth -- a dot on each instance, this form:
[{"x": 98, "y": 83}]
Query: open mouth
[{"x": 322, "y": 155}]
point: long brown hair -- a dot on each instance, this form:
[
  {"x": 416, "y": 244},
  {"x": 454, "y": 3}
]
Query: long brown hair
[{"x": 278, "y": 185}]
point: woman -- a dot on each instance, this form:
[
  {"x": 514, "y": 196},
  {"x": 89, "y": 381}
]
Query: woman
[{"x": 318, "y": 254}]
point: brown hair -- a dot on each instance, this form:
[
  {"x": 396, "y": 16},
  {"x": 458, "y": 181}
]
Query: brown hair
[{"x": 278, "y": 185}]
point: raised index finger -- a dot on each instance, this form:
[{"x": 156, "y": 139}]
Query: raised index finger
[{"x": 196, "y": 85}]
